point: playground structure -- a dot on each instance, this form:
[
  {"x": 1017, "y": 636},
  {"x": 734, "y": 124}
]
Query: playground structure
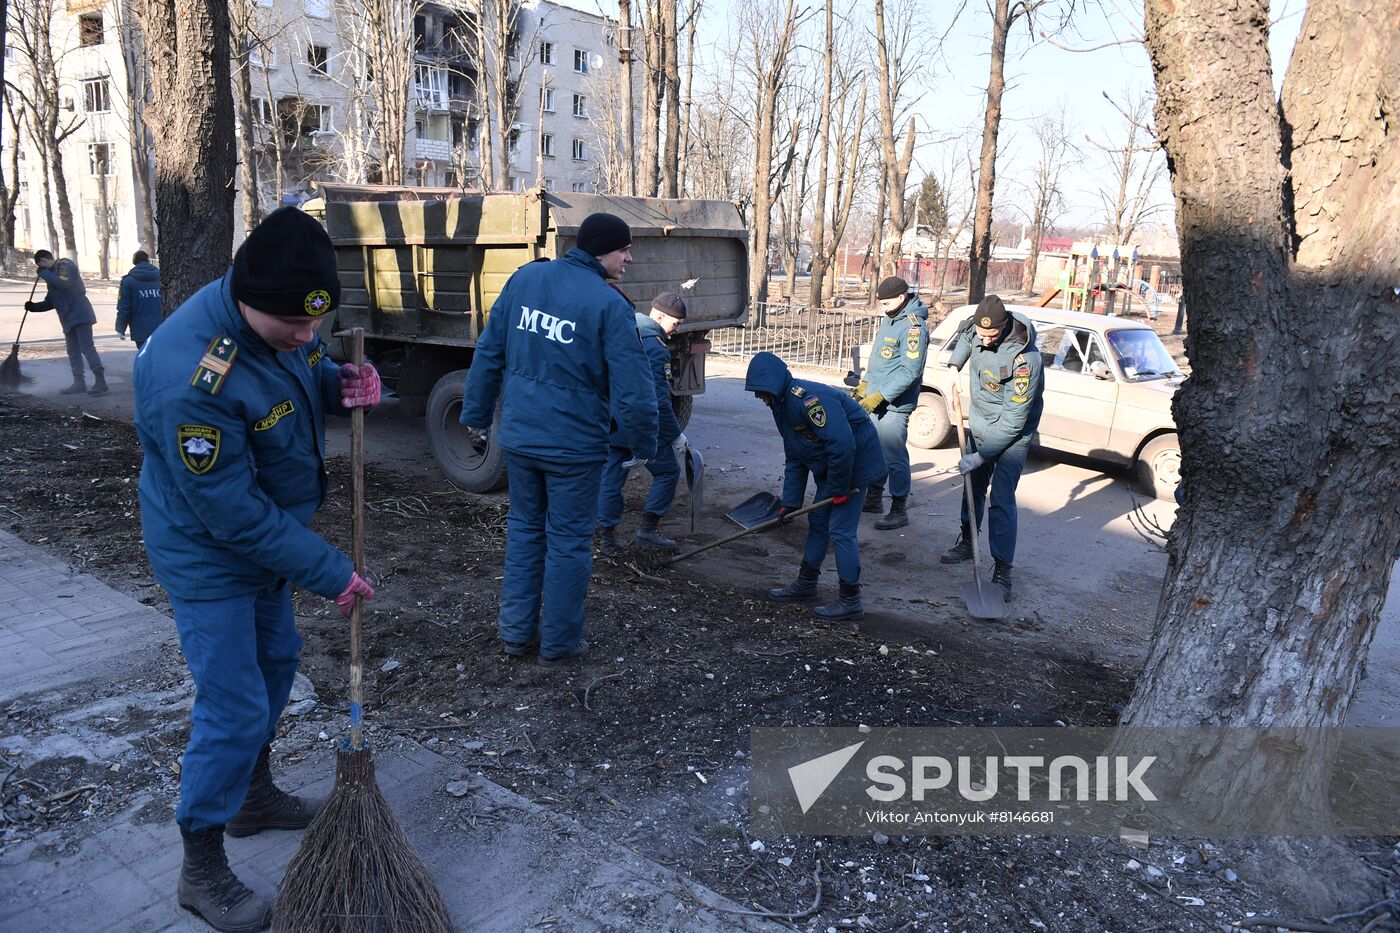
[{"x": 1094, "y": 276}]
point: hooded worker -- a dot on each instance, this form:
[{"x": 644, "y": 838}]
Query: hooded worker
[
  {"x": 232, "y": 392},
  {"x": 68, "y": 296},
  {"x": 1007, "y": 389},
  {"x": 667, "y": 313},
  {"x": 890, "y": 392},
  {"x": 830, "y": 438},
  {"x": 138, "y": 300},
  {"x": 560, "y": 353}
]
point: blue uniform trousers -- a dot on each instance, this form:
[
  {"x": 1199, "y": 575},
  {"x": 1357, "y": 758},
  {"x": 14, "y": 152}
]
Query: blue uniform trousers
[
  {"x": 549, "y": 551},
  {"x": 893, "y": 428},
  {"x": 835, "y": 526},
  {"x": 243, "y": 653},
  {"x": 665, "y": 474},
  {"x": 77, "y": 341},
  {"x": 1002, "y": 474}
]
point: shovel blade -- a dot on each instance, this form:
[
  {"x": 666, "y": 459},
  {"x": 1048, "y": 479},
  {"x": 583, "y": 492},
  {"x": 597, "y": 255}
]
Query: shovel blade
[
  {"x": 695, "y": 482},
  {"x": 984, "y": 600},
  {"x": 754, "y": 511}
]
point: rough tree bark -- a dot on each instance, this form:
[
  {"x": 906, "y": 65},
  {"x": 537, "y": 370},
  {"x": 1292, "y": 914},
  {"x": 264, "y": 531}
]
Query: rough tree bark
[
  {"x": 192, "y": 115},
  {"x": 896, "y": 162},
  {"x": 138, "y": 85},
  {"x": 818, "y": 280},
  {"x": 1287, "y": 216},
  {"x": 671, "y": 80},
  {"x": 981, "y": 253},
  {"x": 653, "y": 96},
  {"x": 240, "y": 13},
  {"x": 692, "y": 19},
  {"x": 628, "y": 134}
]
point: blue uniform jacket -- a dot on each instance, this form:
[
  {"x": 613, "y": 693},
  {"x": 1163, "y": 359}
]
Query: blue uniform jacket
[
  {"x": 138, "y": 301},
  {"x": 561, "y": 349},
  {"x": 896, "y": 366},
  {"x": 235, "y": 460},
  {"x": 824, "y": 432},
  {"x": 1008, "y": 385},
  {"x": 67, "y": 295},
  {"x": 659, "y": 356}
]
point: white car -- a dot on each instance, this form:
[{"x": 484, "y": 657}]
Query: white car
[{"x": 1109, "y": 384}]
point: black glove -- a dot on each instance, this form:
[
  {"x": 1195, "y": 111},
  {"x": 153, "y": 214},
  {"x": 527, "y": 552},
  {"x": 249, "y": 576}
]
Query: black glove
[
  {"x": 784, "y": 511},
  {"x": 30, "y": 306}
]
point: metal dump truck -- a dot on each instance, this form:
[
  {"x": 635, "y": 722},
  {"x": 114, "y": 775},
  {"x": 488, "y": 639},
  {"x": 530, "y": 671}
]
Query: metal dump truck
[{"x": 421, "y": 268}]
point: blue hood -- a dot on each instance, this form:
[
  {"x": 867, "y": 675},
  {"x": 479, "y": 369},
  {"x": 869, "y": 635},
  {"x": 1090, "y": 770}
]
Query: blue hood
[
  {"x": 767, "y": 373},
  {"x": 146, "y": 274}
]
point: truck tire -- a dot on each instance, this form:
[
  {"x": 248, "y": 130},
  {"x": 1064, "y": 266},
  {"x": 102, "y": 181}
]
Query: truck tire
[
  {"x": 1158, "y": 467},
  {"x": 929, "y": 424},
  {"x": 683, "y": 405},
  {"x": 467, "y": 467}
]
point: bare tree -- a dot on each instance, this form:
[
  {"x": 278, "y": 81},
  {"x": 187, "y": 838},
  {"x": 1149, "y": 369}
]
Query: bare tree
[
  {"x": 1133, "y": 170},
  {"x": 627, "y": 135},
  {"x": 900, "y": 49},
  {"x": 671, "y": 82},
  {"x": 1279, "y": 562},
  {"x": 30, "y": 32},
  {"x": 241, "y": 21},
  {"x": 818, "y": 280},
  {"x": 1044, "y": 195},
  {"x": 9, "y": 192},
  {"x": 769, "y": 33},
  {"x": 191, "y": 114},
  {"x": 692, "y": 18},
  {"x": 136, "y": 65}
]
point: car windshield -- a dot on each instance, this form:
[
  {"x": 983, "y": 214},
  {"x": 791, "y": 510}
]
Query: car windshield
[{"x": 1142, "y": 355}]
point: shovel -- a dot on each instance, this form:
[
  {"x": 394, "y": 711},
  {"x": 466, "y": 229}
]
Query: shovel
[
  {"x": 695, "y": 482},
  {"x": 984, "y": 600},
  {"x": 772, "y": 523},
  {"x": 9, "y": 370}
]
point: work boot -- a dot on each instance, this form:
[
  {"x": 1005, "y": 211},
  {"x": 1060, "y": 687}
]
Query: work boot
[
  {"x": 961, "y": 549},
  {"x": 648, "y": 533},
  {"x": 209, "y": 888},
  {"x": 99, "y": 384},
  {"x": 874, "y": 500},
  {"x": 1001, "y": 576},
  {"x": 609, "y": 543},
  {"x": 568, "y": 657},
  {"x": 804, "y": 587},
  {"x": 518, "y": 649},
  {"x": 897, "y": 518},
  {"x": 77, "y": 388},
  {"x": 269, "y": 807},
  {"x": 847, "y": 605}
]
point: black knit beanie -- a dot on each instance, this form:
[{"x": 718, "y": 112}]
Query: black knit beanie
[
  {"x": 991, "y": 312},
  {"x": 892, "y": 287},
  {"x": 671, "y": 303},
  {"x": 287, "y": 267},
  {"x": 600, "y": 234}
]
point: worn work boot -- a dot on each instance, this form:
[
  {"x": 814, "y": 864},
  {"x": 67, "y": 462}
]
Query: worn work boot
[
  {"x": 99, "y": 385},
  {"x": 77, "y": 388},
  {"x": 648, "y": 533},
  {"x": 874, "y": 500},
  {"x": 804, "y": 587},
  {"x": 847, "y": 605},
  {"x": 269, "y": 807},
  {"x": 209, "y": 888},
  {"x": 961, "y": 549},
  {"x": 897, "y": 518},
  {"x": 568, "y": 657},
  {"x": 1001, "y": 576},
  {"x": 609, "y": 543}
]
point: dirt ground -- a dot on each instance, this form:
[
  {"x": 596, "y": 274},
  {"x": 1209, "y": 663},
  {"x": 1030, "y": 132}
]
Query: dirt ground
[{"x": 647, "y": 741}]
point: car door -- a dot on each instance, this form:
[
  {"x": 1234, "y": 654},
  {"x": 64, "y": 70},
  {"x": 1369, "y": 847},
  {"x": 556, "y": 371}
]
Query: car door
[{"x": 1079, "y": 406}]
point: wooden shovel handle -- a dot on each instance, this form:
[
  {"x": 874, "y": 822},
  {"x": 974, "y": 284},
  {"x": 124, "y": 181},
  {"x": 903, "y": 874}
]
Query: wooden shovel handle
[{"x": 357, "y": 550}]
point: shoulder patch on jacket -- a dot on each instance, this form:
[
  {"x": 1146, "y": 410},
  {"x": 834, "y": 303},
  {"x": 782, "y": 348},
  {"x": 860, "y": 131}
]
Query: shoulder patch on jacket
[
  {"x": 316, "y": 355},
  {"x": 214, "y": 365},
  {"x": 199, "y": 446},
  {"x": 816, "y": 414}
]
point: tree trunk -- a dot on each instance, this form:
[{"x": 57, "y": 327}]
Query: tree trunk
[
  {"x": 1280, "y": 560},
  {"x": 691, "y": 20},
  {"x": 192, "y": 112},
  {"x": 624, "y": 55},
  {"x": 60, "y": 191},
  {"x": 818, "y": 280},
  {"x": 45, "y": 175},
  {"x": 670, "y": 157},
  {"x": 981, "y": 253},
  {"x": 769, "y": 71},
  {"x": 104, "y": 223},
  {"x": 138, "y": 83},
  {"x": 652, "y": 90},
  {"x": 247, "y": 138}
]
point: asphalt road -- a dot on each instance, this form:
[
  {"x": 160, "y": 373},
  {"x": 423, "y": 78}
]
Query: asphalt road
[{"x": 1087, "y": 580}]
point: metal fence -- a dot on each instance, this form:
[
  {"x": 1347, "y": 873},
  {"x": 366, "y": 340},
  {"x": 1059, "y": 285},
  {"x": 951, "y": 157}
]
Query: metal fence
[{"x": 821, "y": 338}]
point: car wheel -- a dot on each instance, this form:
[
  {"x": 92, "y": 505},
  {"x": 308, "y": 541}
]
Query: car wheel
[
  {"x": 929, "y": 424},
  {"x": 683, "y": 405},
  {"x": 469, "y": 467},
  {"x": 1158, "y": 467}
]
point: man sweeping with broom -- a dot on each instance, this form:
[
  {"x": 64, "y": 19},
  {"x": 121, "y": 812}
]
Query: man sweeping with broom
[{"x": 232, "y": 393}]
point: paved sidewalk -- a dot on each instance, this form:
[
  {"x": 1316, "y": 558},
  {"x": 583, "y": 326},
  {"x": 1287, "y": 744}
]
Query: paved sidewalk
[
  {"x": 59, "y": 627},
  {"x": 502, "y": 862}
]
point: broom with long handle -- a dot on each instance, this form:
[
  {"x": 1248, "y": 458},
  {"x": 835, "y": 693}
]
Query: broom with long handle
[
  {"x": 356, "y": 871},
  {"x": 9, "y": 369}
]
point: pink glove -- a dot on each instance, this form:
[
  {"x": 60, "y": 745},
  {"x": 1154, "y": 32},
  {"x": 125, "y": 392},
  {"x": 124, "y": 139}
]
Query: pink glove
[
  {"x": 358, "y": 586},
  {"x": 359, "y": 385}
]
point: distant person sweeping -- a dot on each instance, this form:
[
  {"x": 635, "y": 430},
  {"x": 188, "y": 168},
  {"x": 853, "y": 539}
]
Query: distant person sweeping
[
  {"x": 139, "y": 307},
  {"x": 68, "y": 296},
  {"x": 231, "y": 398}
]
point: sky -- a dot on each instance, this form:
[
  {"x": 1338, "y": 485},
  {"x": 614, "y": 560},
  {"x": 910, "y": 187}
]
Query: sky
[{"x": 1040, "y": 78}]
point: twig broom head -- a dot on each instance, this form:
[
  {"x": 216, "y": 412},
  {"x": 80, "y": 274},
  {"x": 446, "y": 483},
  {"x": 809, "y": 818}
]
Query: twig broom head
[{"x": 356, "y": 871}]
